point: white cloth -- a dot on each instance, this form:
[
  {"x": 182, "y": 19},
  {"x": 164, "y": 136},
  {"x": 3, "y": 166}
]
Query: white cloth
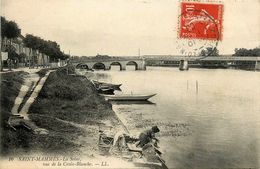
[{"x": 4, "y": 55}]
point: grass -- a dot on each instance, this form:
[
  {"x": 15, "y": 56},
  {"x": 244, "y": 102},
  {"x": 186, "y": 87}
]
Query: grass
[
  {"x": 11, "y": 83},
  {"x": 65, "y": 103},
  {"x": 10, "y": 86},
  {"x": 71, "y": 98},
  {"x": 42, "y": 72},
  {"x": 61, "y": 135}
]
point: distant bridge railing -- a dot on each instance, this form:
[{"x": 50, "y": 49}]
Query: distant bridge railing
[
  {"x": 127, "y": 58},
  {"x": 208, "y": 58},
  {"x": 232, "y": 58}
]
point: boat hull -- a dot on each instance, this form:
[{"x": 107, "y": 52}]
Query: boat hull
[
  {"x": 108, "y": 91},
  {"x": 106, "y": 85},
  {"x": 129, "y": 97}
]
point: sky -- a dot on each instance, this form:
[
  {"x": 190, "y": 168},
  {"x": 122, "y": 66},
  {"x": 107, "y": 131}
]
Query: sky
[{"x": 121, "y": 27}]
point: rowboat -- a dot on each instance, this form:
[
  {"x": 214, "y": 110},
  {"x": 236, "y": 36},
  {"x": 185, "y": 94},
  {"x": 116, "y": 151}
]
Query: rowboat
[
  {"x": 129, "y": 97},
  {"x": 108, "y": 91},
  {"x": 125, "y": 102},
  {"x": 103, "y": 84}
]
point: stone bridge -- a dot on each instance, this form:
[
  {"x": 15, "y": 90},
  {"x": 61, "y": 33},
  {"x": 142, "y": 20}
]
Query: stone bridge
[{"x": 106, "y": 64}]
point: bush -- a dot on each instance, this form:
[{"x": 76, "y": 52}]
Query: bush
[
  {"x": 42, "y": 72},
  {"x": 64, "y": 87},
  {"x": 66, "y": 92}
]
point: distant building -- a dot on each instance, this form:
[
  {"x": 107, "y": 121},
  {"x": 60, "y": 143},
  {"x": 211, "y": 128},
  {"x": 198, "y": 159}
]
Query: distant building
[{"x": 32, "y": 56}]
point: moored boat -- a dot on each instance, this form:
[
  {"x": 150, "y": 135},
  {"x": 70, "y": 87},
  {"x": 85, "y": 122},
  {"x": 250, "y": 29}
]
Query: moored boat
[
  {"x": 103, "y": 84},
  {"x": 108, "y": 91},
  {"x": 129, "y": 97}
]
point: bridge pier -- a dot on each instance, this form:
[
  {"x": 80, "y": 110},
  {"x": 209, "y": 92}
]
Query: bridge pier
[
  {"x": 257, "y": 65},
  {"x": 141, "y": 67},
  {"x": 184, "y": 65},
  {"x": 123, "y": 67},
  {"x": 107, "y": 66}
]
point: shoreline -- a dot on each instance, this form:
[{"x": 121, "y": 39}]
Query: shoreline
[{"x": 71, "y": 110}]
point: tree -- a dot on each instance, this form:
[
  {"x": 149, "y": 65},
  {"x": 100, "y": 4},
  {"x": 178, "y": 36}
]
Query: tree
[
  {"x": 12, "y": 30},
  {"x": 31, "y": 41},
  {"x": 247, "y": 52},
  {"x": 50, "y": 48},
  {"x": 210, "y": 52},
  {"x": 3, "y": 27},
  {"x": 11, "y": 53},
  {"x": 65, "y": 56},
  {"x": 22, "y": 58},
  {"x": 9, "y": 30}
]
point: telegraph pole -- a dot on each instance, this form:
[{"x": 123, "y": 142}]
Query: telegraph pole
[
  {"x": 1, "y": 66},
  {"x": 1, "y": 63}
]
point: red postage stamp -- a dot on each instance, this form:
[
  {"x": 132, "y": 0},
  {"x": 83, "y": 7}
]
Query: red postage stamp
[{"x": 201, "y": 21}]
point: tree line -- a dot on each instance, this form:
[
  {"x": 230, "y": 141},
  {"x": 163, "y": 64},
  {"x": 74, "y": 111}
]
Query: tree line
[
  {"x": 10, "y": 30},
  {"x": 238, "y": 52},
  {"x": 50, "y": 48},
  {"x": 247, "y": 52}
]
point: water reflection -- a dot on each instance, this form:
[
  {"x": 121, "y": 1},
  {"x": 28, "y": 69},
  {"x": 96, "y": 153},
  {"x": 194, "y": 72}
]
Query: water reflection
[
  {"x": 131, "y": 67},
  {"x": 118, "y": 68},
  {"x": 115, "y": 67}
]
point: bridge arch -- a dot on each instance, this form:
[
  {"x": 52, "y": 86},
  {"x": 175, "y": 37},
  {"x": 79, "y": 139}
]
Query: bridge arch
[
  {"x": 116, "y": 64},
  {"x": 130, "y": 63},
  {"x": 99, "y": 65},
  {"x": 82, "y": 66},
  {"x": 78, "y": 66},
  {"x": 137, "y": 64}
]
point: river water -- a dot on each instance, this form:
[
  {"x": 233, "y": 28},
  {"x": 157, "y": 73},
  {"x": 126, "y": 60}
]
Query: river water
[{"x": 215, "y": 124}]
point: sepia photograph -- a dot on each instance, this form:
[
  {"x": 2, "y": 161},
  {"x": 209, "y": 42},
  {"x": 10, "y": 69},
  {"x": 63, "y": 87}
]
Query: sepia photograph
[{"x": 129, "y": 84}]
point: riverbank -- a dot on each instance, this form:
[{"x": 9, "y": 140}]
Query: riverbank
[
  {"x": 70, "y": 109},
  {"x": 11, "y": 83}
]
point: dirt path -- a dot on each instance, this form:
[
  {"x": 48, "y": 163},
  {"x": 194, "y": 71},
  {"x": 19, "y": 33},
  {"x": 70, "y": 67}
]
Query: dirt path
[
  {"x": 33, "y": 78},
  {"x": 34, "y": 95}
]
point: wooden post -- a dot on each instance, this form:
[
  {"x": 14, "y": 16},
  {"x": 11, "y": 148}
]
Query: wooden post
[
  {"x": 1, "y": 66},
  {"x": 197, "y": 87}
]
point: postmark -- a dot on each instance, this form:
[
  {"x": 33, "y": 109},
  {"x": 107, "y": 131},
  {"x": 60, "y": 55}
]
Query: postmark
[
  {"x": 199, "y": 27},
  {"x": 194, "y": 47}
]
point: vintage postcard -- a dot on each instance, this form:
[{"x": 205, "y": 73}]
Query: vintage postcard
[{"x": 130, "y": 84}]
